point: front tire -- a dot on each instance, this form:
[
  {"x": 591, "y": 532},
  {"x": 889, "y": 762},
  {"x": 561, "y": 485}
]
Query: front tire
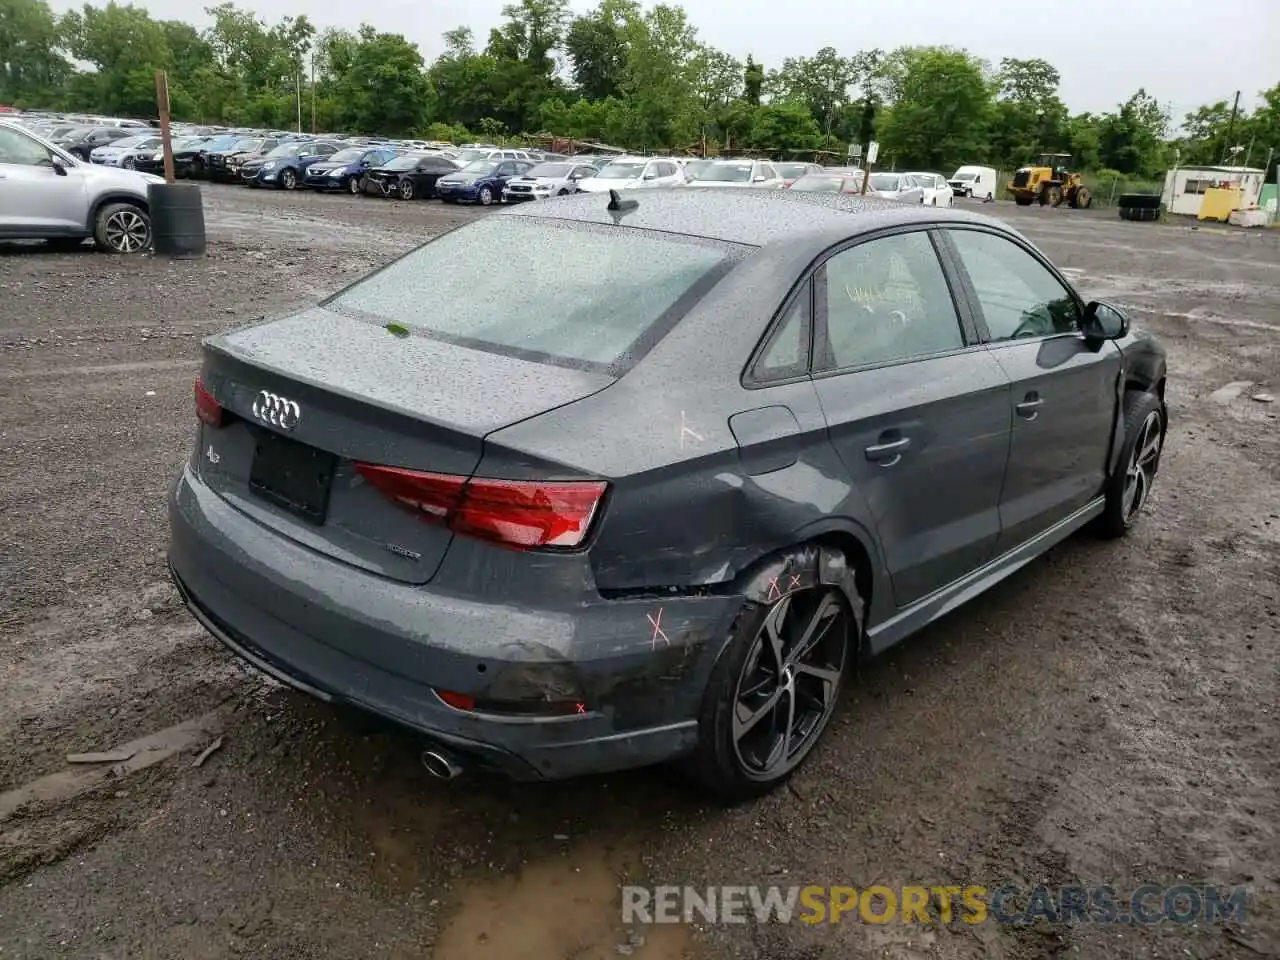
[
  {"x": 122, "y": 228},
  {"x": 406, "y": 189},
  {"x": 486, "y": 196},
  {"x": 1130, "y": 485},
  {"x": 353, "y": 186},
  {"x": 773, "y": 692},
  {"x": 288, "y": 179}
]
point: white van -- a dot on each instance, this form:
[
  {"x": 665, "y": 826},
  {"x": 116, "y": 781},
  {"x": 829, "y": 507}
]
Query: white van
[{"x": 977, "y": 182}]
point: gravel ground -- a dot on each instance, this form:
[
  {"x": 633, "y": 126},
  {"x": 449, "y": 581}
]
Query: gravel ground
[{"x": 1107, "y": 716}]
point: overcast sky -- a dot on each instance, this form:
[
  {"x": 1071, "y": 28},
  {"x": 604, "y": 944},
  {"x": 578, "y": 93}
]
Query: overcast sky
[{"x": 1105, "y": 49}]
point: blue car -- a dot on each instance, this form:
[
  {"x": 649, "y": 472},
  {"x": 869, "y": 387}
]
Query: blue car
[
  {"x": 480, "y": 181},
  {"x": 285, "y": 166},
  {"x": 345, "y": 169}
]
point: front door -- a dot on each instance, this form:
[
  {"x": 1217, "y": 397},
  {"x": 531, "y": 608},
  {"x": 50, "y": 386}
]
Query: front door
[
  {"x": 1064, "y": 390},
  {"x": 35, "y": 200},
  {"x": 916, "y": 408}
]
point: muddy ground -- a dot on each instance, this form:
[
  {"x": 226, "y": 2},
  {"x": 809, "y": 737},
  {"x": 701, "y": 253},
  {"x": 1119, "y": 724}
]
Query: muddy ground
[{"x": 1110, "y": 715}]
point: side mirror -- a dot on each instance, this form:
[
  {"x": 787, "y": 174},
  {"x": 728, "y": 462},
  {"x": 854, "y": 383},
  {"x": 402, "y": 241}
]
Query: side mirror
[
  {"x": 59, "y": 167},
  {"x": 1102, "y": 321}
]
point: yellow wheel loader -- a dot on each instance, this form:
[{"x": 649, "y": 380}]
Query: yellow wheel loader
[{"x": 1049, "y": 183}]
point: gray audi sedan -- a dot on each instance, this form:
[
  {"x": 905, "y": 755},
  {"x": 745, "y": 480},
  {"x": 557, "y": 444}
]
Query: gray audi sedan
[{"x": 648, "y": 491}]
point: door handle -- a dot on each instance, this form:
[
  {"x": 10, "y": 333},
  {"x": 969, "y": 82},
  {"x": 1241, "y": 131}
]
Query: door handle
[
  {"x": 889, "y": 453},
  {"x": 1029, "y": 408}
]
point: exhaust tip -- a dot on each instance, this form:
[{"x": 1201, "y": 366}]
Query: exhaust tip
[{"x": 441, "y": 765}]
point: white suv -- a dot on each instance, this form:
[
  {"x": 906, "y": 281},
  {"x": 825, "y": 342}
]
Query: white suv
[
  {"x": 47, "y": 194},
  {"x": 629, "y": 173}
]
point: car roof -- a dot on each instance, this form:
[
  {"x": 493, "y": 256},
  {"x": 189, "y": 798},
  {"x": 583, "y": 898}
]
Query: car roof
[{"x": 751, "y": 217}]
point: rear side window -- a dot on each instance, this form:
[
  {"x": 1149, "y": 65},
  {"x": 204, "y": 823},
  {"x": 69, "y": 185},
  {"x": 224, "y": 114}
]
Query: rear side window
[{"x": 581, "y": 295}]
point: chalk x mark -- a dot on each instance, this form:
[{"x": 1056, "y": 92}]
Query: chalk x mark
[
  {"x": 795, "y": 582},
  {"x": 686, "y": 429},
  {"x": 658, "y": 632},
  {"x": 775, "y": 591}
]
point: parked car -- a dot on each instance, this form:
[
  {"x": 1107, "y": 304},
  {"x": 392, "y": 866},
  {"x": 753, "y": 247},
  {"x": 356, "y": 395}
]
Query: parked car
[
  {"x": 830, "y": 181},
  {"x": 653, "y": 487},
  {"x": 407, "y": 177},
  {"x": 737, "y": 173},
  {"x": 692, "y": 168},
  {"x": 224, "y": 165},
  {"x": 285, "y": 166},
  {"x": 80, "y": 142},
  {"x": 126, "y": 151},
  {"x": 344, "y": 169},
  {"x": 185, "y": 150},
  {"x": 554, "y": 179},
  {"x": 627, "y": 173},
  {"x": 976, "y": 182},
  {"x": 791, "y": 172},
  {"x": 48, "y": 194},
  {"x": 937, "y": 192},
  {"x": 481, "y": 181},
  {"x": 895, "y": 186},
  {"x": 467, "y": 155}
]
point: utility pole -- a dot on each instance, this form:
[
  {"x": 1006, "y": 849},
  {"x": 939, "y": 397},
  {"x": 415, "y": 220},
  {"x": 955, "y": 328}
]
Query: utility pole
[
  {"x": 1231, "y": 127},
  {"x": 297, "y": 92},
  {"x": 313, "y": 91}
]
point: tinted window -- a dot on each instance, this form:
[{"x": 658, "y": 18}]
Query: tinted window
[
  {"x": 1018, "y": 296},
  {"x": 550, "y": 170},
  {"x": 622, "y": 170},
  {"x": 790, "y": 171},
  {"x": 727, "y": 172},
  {"x": 321, "y": 150},
  {"x": 623, "y": 281},
  {"x": 787, "y": 353},
  {"x": 766, "y": 171},
  {"x": 888, "y": 300}
]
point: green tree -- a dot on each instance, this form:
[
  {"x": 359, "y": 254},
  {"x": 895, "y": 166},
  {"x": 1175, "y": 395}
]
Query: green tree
[
  {"x": 596, "y": 46},
  {"x": 821, "y": 83},
  {"x": 463, "y": 81},
  {"x": 33, "y": 70},
  {"x": 656, "y": 81},
  {"x": 380, "y": 81},
  {"x": 942, "y": 103},
  {"x": 1029, "y": 117},
  {"x": 1133, "y": 139},
  {"x": 125, "y": 47}
]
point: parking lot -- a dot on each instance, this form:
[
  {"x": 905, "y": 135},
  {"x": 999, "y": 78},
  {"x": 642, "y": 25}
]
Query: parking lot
[{"x": 1110, "y": 715}]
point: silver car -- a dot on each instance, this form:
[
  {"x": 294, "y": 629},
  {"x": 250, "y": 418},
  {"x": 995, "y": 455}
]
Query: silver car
[
  {"x": 47, "y": 194},
  {"x": 896, "y": 186},
  {"x": 127, "y": 152},
  {"x": 553, "y": 179}
]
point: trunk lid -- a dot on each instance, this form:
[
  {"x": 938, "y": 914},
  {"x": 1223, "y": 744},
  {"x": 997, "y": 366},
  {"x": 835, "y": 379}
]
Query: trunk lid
[{"x": 307, "y": 396}]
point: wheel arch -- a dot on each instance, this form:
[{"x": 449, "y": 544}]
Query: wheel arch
[{"x": 115, "y": 197}]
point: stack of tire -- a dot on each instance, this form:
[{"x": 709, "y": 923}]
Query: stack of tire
[{"x": 1140, "y": 206}]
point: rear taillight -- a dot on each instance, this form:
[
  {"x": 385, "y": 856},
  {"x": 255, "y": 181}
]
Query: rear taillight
[
  {"x": 522, "y": 514},
  {"x": 208, "y": 409}
]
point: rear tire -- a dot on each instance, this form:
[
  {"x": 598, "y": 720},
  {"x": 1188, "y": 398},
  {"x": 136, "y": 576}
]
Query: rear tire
[
  {"x": 1130, "y": 485},
  {"x": 288, "y": 179},
  {"x": 741, "y": 751},
  {"x": 406, "y": 189},
  {"x": 352, "y": 185}
]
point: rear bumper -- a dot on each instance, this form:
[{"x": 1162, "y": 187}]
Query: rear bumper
[{"x": 348, "y": 636}]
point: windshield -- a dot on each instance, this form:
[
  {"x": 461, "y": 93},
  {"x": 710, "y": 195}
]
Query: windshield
[
  {"x": 550, "y": 170},
  {"x": 816, "y": 183},
  {"x": 127, "y": 142},
  {"x": 621, "y": 170},
  {"x": 350, "y": 155},
  {"x": 466, "y": 156},
  {"x": 246, "y": 146},
  {"x": 623, "y": 283},
  {"x": 290, "y": 150},
  {"x": 726, "y": 173},
  {"x": 884, "y": 181},
  {"x": 789, "y": 171},
  {"x": 401, "y": 163},
  {"x": 478, "y": 168},
  {"x": 220, "y": 143},
  {"x": 77, "y": 133},
  {"x": 965, "y": 176},
  {"x": 694, "y": 167}
]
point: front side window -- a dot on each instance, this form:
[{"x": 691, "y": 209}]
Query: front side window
[
  {"x": 1018, "y": 295},
  {"x": 888, "y": 300},
  {"x": 16, "y": 148}
]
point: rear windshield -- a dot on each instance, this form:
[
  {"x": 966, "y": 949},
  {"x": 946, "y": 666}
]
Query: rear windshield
[
  {"x": 816, "y": 183},
  {"x": 579, "y": 295}
]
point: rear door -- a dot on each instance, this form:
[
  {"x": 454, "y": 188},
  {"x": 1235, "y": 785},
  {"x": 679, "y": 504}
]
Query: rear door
[
  {"x": 1064, "y": 390},
  {"x": 916, "y": 407}
]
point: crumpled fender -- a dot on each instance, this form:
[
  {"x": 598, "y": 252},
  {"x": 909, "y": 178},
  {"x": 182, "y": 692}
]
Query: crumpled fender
[{"x": 799, "y": 568}]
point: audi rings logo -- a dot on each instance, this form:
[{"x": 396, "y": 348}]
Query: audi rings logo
[{"x": 276, "y": 410}]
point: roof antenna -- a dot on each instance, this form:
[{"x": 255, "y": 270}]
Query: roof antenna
[{"x": 618, "y": 207}]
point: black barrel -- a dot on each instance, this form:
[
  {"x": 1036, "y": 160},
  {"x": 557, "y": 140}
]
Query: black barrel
[{"x": 177, "y": 220}]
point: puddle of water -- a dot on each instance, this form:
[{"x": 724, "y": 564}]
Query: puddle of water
[{"x": 566, "y": 908}]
